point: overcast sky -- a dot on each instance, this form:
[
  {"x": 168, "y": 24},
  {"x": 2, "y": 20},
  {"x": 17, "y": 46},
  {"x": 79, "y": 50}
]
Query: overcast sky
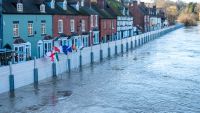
[{"x": 175, "y": 0}]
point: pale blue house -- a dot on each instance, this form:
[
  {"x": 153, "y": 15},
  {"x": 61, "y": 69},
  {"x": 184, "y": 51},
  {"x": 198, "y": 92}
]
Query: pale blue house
[{"x": 27, "y": 28}]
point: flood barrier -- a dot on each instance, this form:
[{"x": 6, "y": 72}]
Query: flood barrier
[{"x": 31, "y": 72}]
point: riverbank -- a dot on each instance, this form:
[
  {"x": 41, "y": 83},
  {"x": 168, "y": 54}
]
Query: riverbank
[{"x": 22, "y": 74}]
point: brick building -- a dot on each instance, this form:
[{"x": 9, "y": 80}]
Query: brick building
[
  {"x": 107, "y": 22},
  {"x": 70, "y": 27}
]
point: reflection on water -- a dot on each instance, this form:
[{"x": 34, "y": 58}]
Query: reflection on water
[{"x": 161, "y": 76}]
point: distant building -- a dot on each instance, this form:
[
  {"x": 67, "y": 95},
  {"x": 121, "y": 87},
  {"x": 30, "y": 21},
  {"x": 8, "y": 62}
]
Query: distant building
[
  {"x": 125, "y": 27},
  {"x": 147, "y": 18}
]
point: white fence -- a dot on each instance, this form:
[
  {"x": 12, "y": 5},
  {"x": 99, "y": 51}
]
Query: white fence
[{"x": 24, "y": 74}]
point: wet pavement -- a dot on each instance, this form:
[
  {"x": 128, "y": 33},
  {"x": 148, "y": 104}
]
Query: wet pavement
[{"x": 161, "y": 76}]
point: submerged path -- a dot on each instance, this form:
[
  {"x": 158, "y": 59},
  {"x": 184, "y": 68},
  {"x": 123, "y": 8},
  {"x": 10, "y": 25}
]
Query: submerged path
[{"x": 161, "y": 76}]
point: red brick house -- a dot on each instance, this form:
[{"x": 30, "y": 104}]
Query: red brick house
[
  {"x": 107, "y": 23},
  {"x": 140, "y": 14},
  {"x": 70, "y": 26}
]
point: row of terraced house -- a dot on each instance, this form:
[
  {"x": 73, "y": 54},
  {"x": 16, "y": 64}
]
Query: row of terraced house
[{"x": 31, "y": 28}]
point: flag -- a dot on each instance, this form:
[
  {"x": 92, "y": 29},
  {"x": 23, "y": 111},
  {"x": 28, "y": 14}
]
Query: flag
[
  {"x": 56, "y": 49},
  {"x": 57, "y": 58},
  {"x": 52, "y": 56},
  {"x": 66, "y": 49}
]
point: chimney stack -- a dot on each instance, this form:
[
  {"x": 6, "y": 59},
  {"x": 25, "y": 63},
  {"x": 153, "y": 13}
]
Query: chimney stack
[
  {"x": 88, "y": 3},
  {"x": 101, "y": 4},
  {"x": 135, "y": 3},
  {"x": 142, "y": 3}
]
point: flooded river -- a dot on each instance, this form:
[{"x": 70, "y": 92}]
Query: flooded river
[{"x": 161, "y": 76}]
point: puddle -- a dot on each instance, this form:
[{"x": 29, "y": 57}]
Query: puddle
[
  {"x": 117, "y": 68},
  {"x": 135, "y": 58},
  {"x": 33, "y": 108},
  {"x": 64, "y": 93}
]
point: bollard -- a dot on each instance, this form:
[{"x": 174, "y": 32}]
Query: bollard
[
  {"x": 69, "y": 64},
  {"x": 135, "y": 43},
  {"x": 126, "y": 46},
  {"x": 108, "y": 52},
  {"x": 54, "y": 69},
  {"x": 101, "y": 55},
  {"x": 91, "y": 57},
  {"x": 80, "y": 61},
  {"x": 138, "y": 42},
  {"x": 35, "y": 71},
  {"x": 131, "y": 44},
  {"x": 122, "y": 48},
  {"x": 115, "y": 49},
  {"x": 11, "y": 80}
]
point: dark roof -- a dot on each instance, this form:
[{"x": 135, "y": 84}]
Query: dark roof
[
  {"x": 88, "y": 11},
  {"x": 33, "y": 7},
  {"x": 114, "y": 7},
  {"x": 103, "y": 13},
  {"x": 7, "y": 46},
  {"x": 19, "y": 41},
  {"x": 29, "y": 7}
]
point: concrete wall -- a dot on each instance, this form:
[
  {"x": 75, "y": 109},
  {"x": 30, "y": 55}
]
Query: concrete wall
[{"x": 23, "y": 72}]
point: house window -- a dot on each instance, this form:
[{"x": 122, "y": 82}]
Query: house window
[
  {"x": 112, "y": 24},
  {"x": 16, "y": 29},
  {"x": 43, "y": 27},
  {"x": 42, "y": 8},
  {"x": 72, "y": 29},
  {"x": 47, "y": 46},
  {"x": 96, "y": 20},
  {"x": 65, "y": 4},
  {"x": 60, "y": 26},
  {"x": 28, "y": 51},
  {"x": 52, "y": 4},
  {"x": 30, "y": 28},
  {"x": 91, "y": 19},
  {"x": 83, "y": 25},
  {"x": 19, "y": 53},
  {"x": 39, "y": 49},
  {"x": 104, "y": 25},
  {"x": 19, "y": 7},
  {"x": 22, "y": 52}
]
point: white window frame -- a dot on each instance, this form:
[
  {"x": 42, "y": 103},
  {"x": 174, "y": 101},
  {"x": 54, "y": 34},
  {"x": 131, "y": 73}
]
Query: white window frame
[
  {"x": 43, "y": 28},
  {"x": 30, "y": 28},
  {"x": 42, "y": 8},
  {"x": 21, "y": 54},
  {"x": 40, "y": 49},
  {"x": 28, "y": 50},
  {"x": 92, "y": 22},
  {"x": 72, "y": 25},
  {"x": 112, "y": 24},
  {"x": 49, "y": 46},
  {"x": 15, "y": 29},
  {"x": 60, "y": 26},
  {"x": 83, "y": 25},
  {"x": 96, "y": 20},
  {"x": 19, "y": 7},
  {"x": 65, "y": 4},
  {"x": 52, "y": 4}
]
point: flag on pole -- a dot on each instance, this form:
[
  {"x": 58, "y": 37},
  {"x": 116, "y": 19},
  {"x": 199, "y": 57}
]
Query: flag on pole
[
  {"x": 66, "y": 49},
  {"x": 56, "y": 49}
]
